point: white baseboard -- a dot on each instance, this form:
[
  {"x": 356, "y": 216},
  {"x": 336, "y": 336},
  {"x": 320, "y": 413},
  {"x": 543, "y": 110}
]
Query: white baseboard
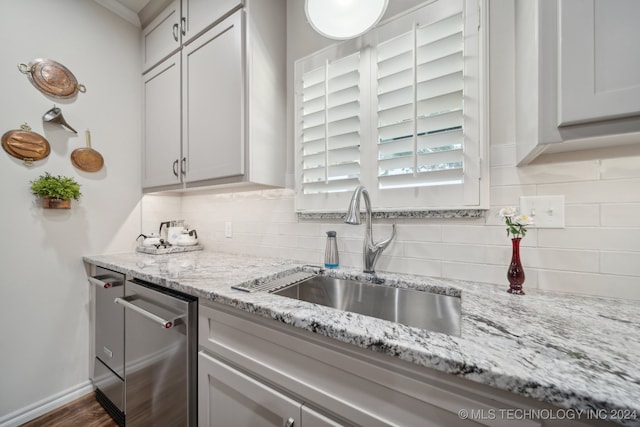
[{"x": 34, "y": 410}]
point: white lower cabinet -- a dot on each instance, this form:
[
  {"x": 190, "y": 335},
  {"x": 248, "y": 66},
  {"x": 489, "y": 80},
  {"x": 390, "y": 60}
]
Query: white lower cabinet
[
  {"x": 229, "y": 397},
  {"x": 260, "y": 372}
]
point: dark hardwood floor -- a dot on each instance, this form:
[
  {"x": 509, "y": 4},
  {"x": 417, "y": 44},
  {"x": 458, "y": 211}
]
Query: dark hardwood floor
[{"x": 82, "y": 412}]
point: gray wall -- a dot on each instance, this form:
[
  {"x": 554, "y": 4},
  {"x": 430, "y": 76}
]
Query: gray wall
[{"x": 44, "y": 299}]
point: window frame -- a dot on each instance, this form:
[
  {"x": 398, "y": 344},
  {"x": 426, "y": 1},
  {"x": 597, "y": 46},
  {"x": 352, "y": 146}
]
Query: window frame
[{"x": 472, "y": 194}]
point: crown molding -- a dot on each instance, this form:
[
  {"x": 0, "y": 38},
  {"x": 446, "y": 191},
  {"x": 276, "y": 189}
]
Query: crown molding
[{"x": 121, "y": 10}]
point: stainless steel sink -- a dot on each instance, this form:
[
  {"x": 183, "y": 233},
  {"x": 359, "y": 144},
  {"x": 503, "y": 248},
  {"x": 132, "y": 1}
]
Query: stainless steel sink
[{"x": 426, "y": 310}]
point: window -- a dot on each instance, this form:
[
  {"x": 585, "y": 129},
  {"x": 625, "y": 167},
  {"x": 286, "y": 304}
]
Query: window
[
  {"x": 397, "y": 110},
  {"x": 331, "y": 126}
]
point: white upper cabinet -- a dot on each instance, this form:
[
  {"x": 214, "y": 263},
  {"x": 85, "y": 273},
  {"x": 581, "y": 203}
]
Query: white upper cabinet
[
  {"x": 162, "y": 36},
  {"x": 198, "y": 15},
  {"x": 215, "y": 111},
  {"x": 178, "y": 24},
  {"x": 599, "y": 60},
  {"x": 212, "y": 102},
  {"x": 161, "y": 124},
  {"x": 577, "y": 75}
]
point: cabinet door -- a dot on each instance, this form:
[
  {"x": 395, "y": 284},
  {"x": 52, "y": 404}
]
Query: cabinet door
[
  {"x": 213, "y": 102},
  {"x": 197, "y": 15},
  {"x": 162, "y": 36},
  {"x": 227, "y": 397},
  {"x": 599, "y": 59},
  {"x": 161, "y": 124}
]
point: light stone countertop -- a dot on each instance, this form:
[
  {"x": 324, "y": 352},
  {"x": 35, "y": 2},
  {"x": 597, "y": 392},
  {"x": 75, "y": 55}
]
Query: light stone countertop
[{"x": 570, "y": 351}]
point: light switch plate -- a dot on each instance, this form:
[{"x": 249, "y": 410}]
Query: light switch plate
[
  {"x": 546, "y": 211},
  {"x": 228, "y": 230}
]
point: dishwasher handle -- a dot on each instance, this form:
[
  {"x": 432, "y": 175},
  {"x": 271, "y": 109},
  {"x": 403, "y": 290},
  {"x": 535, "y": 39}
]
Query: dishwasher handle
[
  {"x": 166, "y": 324},
  {"x": 105, "y": 281}
]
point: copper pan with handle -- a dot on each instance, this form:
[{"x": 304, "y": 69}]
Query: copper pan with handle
[{"x": 86, "y": 158}]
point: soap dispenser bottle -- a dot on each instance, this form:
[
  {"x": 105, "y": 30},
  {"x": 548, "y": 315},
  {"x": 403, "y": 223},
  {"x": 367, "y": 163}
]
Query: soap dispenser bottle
[{"x": 331, "y": 259}]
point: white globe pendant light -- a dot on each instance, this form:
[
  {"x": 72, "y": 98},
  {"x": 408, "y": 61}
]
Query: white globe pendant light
[{"x": 344, "y": 19}]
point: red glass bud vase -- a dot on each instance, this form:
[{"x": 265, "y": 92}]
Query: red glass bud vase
[{"x": 515, "y": 274}]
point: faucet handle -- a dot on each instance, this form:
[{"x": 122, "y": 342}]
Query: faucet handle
[{"x": 384, "y": 243}]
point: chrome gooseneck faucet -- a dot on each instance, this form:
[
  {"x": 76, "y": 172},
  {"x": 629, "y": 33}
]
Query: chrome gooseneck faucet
[{"x": 371, "y": 250}]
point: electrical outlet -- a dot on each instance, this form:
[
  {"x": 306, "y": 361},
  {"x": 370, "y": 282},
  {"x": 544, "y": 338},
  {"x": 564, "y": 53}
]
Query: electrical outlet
[
  {"x": 228, "y": 230},
  {"x": 546, "y": 211}
]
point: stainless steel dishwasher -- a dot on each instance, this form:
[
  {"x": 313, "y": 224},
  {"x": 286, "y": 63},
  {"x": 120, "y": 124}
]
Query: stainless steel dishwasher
[
  {"x": 160, "y": 355},
  {"x": 108, "y": 366}
]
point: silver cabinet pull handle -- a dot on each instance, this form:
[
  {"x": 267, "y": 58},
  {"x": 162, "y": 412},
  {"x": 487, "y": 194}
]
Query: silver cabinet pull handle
[
  {"x": 290, "y": 422},
  {"x": 183, "y": 166},
  {"x": 175, "y": 168},
  {"x": 183, "y": 26},
  {"x": 175, "y": 32},
  {"x": 166, "y": 324}
]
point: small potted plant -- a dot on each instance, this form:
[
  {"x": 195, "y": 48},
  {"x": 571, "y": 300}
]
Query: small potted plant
[{"x": 56, "y": 191}]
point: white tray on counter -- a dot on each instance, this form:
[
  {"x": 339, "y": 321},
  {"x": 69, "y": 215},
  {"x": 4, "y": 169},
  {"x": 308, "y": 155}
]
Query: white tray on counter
[{"x": 170, "y": 250}]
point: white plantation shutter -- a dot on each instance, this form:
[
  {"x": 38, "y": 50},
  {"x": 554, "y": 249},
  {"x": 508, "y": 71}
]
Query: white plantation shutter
[
  {"x": 420, "y": 106},
  {"x": 331, "y": 126},
  {"x": 397, "y": 110}
]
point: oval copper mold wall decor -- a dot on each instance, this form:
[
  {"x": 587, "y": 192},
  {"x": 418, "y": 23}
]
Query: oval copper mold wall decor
[
  {"x": 25, "y": 145},
  {"x": 52, "y": 78}
]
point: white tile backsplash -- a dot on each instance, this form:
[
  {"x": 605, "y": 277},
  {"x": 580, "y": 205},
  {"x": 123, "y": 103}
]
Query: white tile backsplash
[
  {"x": 349, "y": 244},
  {"x": 420, "y": 266},
  {"x": 444, "y": 251},
  {"x": 505, "y": 195},
  {"x": 313, "y": 243},
  {"x": 624, "y": 167},
  {"x": 582, "y": 215},
  {"x": 607, "y": 239},
  {"x": 545, "y": 173},
  {"x": 599, "y": 249},
  {"x": 620, "y": 215},
  {"x": 562, "y": 259},
  {"x": 602, "y": 191},
  {"x": 284, "y": 241},
  {"x": 419, "y": 233},
  {"x": 474, "y": 234},
  {"x": 620, "y": 263},
  {"x": 606, "y": 285}
]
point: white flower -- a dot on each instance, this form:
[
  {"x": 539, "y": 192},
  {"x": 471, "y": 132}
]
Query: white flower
[
  {"x": 523, "y": 220},
  {"x": 508, "y": 212},
  {"x": 516, "y": 223}
]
